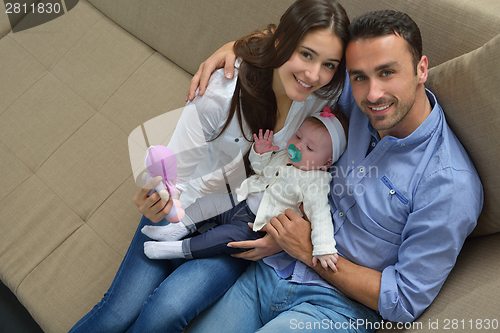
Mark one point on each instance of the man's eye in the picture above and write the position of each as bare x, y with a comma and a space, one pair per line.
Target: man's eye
386, 73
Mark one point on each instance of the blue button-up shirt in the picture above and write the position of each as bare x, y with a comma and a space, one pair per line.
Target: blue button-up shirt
400, 206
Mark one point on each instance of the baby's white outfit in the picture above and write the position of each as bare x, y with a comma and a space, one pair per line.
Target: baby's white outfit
285, 186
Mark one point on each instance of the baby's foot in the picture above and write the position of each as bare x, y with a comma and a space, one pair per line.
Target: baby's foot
163, 250
167, 233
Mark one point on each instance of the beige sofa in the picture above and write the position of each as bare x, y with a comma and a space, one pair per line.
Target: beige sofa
74, 88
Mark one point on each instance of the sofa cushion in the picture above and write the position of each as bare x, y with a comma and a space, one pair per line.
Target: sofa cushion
469, 85
34, 126
20, 70
59, 35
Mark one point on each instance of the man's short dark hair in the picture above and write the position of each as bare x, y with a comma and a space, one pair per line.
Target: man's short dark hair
386, 22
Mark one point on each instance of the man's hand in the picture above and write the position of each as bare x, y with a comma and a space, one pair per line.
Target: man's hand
152, 207
293, 234
260, 248
223, 57
263, 143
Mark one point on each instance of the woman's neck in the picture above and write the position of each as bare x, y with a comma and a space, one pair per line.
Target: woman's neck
283, 102
284, 105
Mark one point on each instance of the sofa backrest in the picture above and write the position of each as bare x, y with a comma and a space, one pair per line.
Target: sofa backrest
449, 28
163, 25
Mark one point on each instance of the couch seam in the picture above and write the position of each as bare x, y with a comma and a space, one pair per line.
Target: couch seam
123, 83
72, 45
97, 208
36, 81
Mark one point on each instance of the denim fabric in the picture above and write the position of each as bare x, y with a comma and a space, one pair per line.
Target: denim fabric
232, 226
159, 295
261, 301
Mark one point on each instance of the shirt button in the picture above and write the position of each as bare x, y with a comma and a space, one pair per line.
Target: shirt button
362, 169
392, 191
403, 144
236, 140
267, 186
277, 173
374, 144
341, 214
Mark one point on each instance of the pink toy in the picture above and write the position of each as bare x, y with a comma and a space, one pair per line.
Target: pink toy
161, 161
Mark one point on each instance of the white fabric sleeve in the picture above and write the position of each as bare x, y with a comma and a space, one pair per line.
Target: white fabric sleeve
201, 121
317, 209
259, 161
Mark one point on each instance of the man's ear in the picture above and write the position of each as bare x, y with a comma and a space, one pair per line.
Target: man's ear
422, 70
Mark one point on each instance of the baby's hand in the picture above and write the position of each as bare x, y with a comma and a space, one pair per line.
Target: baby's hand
264, 143
327, 260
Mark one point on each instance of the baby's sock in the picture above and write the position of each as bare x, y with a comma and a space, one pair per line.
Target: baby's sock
163, 250
168, 233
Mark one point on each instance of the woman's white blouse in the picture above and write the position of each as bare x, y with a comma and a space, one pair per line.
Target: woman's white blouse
201, 161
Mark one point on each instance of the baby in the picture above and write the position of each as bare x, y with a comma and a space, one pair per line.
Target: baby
283, 179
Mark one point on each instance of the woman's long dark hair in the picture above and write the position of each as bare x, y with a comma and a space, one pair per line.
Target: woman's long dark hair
262, 52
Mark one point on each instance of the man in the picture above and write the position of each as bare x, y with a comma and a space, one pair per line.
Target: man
404, 197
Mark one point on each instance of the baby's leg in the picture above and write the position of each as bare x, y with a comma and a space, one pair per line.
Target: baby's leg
164, 250
167, 233
209, 244
214, 241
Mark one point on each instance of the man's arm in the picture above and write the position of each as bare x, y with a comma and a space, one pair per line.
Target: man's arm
293, 234
223, 57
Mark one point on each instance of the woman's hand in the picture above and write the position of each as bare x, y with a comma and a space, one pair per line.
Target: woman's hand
260, 248
223, 57
152, 207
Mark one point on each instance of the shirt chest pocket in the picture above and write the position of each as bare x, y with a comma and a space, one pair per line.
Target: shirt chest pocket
394, 192
392, 205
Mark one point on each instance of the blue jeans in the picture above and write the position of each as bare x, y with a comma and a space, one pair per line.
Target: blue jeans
159, 295
262, 301
232, 226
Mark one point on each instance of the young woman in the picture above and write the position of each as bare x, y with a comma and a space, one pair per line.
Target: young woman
284, 75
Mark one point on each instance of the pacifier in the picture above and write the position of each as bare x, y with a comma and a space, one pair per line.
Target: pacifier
294, 153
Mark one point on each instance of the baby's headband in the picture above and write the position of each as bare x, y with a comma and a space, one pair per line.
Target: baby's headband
336, 130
